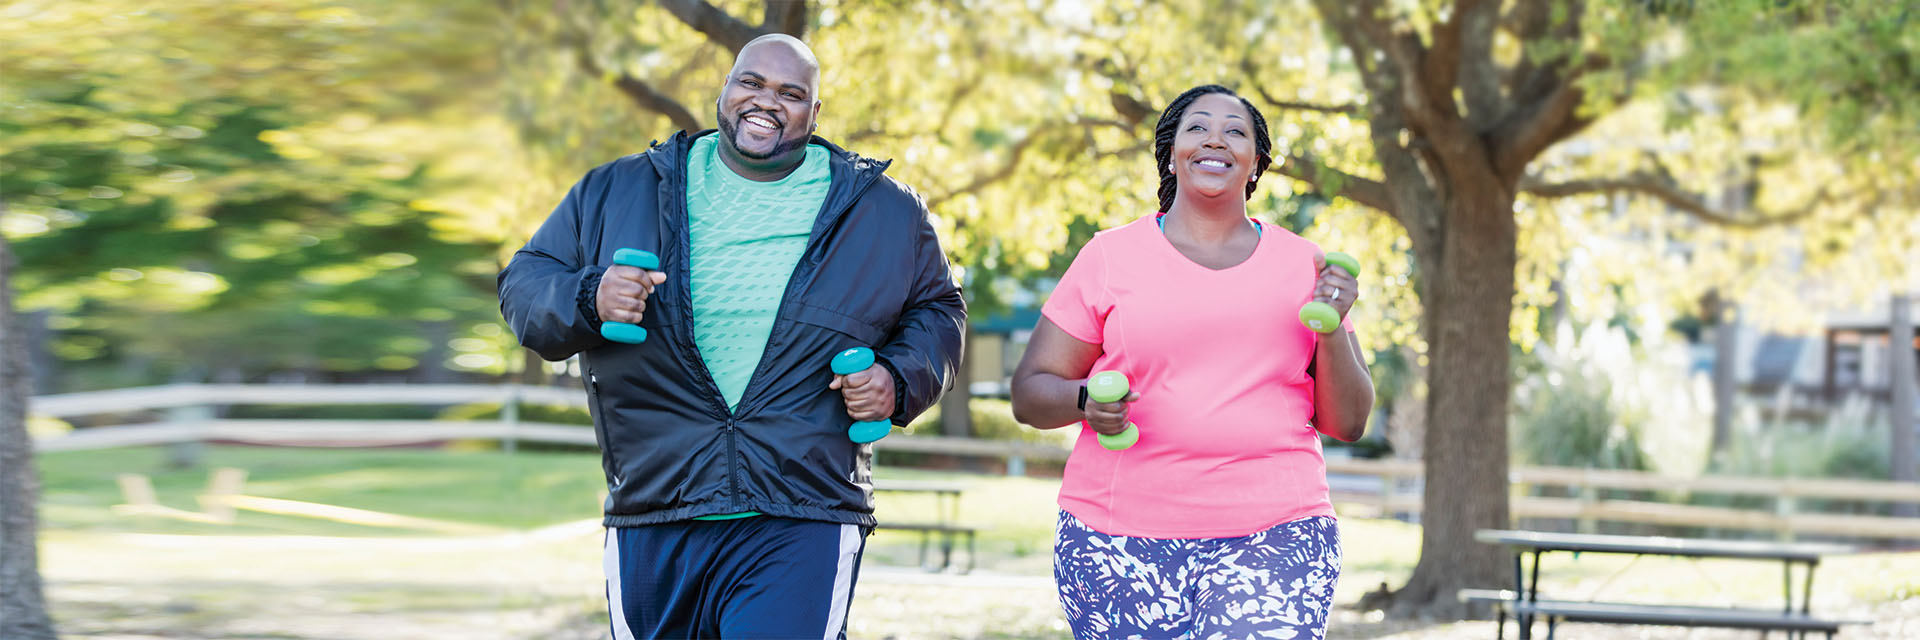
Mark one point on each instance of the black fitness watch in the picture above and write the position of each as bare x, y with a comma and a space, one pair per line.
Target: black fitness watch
1083, 398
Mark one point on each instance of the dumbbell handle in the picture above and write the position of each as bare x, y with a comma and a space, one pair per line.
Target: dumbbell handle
850, 362
621, 331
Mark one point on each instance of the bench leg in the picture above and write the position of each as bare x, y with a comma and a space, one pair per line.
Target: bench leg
973, 557
1499, 623
924, 535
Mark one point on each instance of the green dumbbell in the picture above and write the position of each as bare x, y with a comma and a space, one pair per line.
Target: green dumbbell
622, 331
850, 362
1320, 316
1111, 386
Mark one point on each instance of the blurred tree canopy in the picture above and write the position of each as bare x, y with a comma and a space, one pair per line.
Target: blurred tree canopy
245, 187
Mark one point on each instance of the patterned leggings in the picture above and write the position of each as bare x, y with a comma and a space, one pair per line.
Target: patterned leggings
1276, 583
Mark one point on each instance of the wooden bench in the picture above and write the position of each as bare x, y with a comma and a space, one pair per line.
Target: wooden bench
947, 533
946, 524
1795, 615
1507, 603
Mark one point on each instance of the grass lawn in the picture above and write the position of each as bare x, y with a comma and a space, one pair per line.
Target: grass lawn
284, 576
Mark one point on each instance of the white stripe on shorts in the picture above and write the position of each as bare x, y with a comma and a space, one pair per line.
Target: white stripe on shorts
610, 563
850, 542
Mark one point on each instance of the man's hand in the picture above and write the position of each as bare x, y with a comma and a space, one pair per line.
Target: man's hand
622, 296
1110, 418
869, 393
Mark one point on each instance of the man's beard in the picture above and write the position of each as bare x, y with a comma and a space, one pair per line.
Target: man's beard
731, 131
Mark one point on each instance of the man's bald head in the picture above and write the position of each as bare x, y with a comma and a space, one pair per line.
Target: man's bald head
779, 44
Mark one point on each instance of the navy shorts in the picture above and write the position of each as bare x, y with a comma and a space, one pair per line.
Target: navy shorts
1276, 583
759, 577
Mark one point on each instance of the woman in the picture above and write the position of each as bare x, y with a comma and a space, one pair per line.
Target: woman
1217, 522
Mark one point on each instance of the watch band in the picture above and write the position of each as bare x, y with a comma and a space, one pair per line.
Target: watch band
1082, 403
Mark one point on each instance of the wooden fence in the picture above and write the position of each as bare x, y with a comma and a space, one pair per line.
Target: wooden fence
182, 416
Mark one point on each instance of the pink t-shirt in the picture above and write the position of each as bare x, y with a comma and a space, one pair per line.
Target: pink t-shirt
1219, 359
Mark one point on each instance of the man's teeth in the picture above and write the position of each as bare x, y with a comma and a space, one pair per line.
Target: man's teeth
762, 121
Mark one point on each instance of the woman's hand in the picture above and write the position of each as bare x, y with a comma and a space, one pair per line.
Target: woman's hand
1109, 418
1334, 285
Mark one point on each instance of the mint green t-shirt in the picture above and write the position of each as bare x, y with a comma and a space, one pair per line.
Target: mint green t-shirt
746, 238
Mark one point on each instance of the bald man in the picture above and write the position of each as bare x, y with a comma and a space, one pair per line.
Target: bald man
737, 505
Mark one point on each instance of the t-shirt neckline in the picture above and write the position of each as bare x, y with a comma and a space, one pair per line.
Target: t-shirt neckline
1161, 239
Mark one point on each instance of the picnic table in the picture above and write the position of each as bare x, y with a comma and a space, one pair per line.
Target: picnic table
1525, 605
946, 523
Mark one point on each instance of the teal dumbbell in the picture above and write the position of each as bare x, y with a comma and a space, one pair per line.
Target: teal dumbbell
850, 362
1111, 386
1320, 316
621, 331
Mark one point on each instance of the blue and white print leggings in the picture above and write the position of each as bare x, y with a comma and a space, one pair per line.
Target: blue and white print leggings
1276, 583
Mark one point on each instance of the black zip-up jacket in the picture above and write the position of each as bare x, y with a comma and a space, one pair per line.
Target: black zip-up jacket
873, 275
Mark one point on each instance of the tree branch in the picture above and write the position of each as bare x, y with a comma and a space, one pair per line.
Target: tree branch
642, 94
1479, 77
1410, 195
1341, 16
982, 181
1665, 190
1427, 107
1369, 192
719, 27
1289, 105
785, 16
1247, 67
1535, 126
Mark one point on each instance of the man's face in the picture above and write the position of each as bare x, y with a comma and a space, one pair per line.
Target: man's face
768, 106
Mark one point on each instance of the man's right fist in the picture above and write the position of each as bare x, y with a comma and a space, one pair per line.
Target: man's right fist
622, 296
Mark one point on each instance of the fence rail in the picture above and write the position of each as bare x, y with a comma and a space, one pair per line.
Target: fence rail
190, 420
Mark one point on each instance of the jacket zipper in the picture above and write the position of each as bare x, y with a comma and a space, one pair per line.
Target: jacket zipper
733, 468
865, 177
600, 424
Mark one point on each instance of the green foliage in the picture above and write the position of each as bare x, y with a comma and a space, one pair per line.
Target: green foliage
1849, 443
250, 201
1566, 422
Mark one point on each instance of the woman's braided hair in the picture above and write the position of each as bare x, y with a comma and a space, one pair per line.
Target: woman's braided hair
1169, 125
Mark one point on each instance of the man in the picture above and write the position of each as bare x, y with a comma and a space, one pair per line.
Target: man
737, 506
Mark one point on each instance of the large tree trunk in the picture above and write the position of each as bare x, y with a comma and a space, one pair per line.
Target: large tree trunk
23, 606
1469, 305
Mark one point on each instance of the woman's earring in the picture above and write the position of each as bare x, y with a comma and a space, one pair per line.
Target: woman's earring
1169, 167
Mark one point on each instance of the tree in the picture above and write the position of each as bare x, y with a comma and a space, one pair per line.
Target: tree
23, 605
1461, 99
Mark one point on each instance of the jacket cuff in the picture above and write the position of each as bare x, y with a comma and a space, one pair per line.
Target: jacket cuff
899, 392
587, 298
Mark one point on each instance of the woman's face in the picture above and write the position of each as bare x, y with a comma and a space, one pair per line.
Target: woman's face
1213, 150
